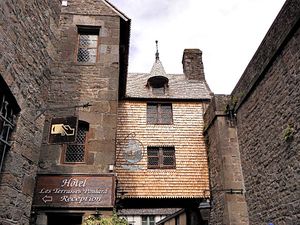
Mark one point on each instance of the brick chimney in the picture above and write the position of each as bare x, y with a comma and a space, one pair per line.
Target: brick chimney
192, 64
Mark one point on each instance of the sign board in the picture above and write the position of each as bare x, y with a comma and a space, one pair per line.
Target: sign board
63, 130
74, 191
133, 153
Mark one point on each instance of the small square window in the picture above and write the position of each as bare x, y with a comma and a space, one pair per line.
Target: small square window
148, 220
75, 152
88, 38
161, 157
159, 113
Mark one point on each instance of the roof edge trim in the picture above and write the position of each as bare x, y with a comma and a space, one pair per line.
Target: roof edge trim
116, 10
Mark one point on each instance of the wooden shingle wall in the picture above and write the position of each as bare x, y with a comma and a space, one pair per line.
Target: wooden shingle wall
189, 179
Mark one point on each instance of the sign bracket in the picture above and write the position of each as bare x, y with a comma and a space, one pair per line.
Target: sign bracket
42, 111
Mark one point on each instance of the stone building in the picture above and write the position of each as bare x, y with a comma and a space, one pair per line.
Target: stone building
61, 64
161, 154
79, 175
25, 73
253, 134
78, 135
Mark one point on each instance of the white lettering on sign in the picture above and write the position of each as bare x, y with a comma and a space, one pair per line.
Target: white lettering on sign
44, 191
64, 191
66, 198
93, 191
72, 182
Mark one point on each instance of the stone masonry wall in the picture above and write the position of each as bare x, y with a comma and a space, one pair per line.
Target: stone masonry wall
268, 129
268, 118
76, 84
224, 165
28, 36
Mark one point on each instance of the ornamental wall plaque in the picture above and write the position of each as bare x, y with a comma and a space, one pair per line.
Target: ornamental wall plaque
132, 152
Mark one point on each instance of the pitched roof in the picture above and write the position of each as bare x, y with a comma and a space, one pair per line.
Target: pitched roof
116, 10
179, 87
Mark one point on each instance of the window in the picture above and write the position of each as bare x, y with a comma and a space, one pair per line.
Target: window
158, 91
8, 110
158, 84
75, 152
148, 220
161, 157
87, 44
159, 113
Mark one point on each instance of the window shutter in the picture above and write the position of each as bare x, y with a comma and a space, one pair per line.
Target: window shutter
166, 113
153, 157
152, 113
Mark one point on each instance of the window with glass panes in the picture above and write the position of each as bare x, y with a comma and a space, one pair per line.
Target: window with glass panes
148, 220
87, 44
161, 157
159, 113
75, 152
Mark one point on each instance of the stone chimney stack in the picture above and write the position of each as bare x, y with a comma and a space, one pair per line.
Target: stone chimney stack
192, 64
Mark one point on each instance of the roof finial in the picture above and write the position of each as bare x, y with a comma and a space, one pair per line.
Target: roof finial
157, 53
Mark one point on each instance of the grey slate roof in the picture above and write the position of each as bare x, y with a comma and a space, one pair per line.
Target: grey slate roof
179, 87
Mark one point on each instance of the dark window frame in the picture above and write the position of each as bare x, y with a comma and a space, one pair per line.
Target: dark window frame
9, 110
87, 30
148, 220
157, 156
82, 127
158, 115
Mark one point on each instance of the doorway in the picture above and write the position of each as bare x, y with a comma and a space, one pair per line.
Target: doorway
64, 219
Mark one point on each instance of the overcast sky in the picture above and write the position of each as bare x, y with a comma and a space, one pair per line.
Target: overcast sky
227, 31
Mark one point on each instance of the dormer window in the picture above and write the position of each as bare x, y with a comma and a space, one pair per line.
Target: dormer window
158, 84
158, 91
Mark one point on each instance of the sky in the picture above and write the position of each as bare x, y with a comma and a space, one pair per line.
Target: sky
228, 32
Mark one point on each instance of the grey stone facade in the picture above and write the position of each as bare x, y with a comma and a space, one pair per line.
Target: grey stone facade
268, 116
76, 84
265, 104
226, 179
28, 34
38, 42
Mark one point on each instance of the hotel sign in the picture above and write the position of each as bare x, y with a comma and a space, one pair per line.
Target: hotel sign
74, 191
63, 130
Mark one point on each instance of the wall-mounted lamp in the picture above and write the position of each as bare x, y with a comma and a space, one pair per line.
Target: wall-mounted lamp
204, 208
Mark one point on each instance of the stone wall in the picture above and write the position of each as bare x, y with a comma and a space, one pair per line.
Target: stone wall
268, 123
77, 83
28, 36
226, 179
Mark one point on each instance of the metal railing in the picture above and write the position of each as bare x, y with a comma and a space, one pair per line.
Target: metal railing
6, 126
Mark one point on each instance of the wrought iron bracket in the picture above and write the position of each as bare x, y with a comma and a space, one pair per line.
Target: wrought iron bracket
42, 111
